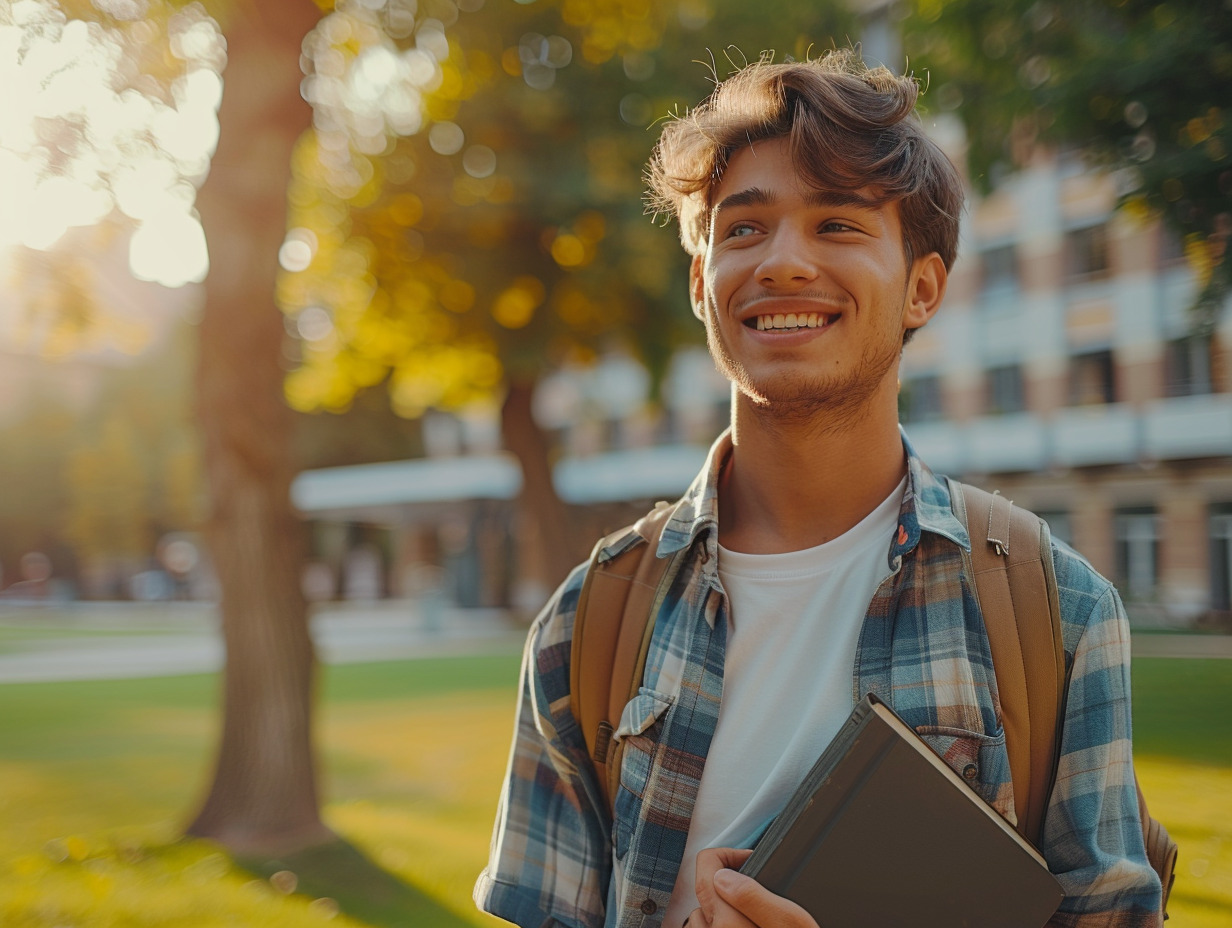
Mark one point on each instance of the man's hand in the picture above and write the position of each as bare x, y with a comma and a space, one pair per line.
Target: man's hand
728, 899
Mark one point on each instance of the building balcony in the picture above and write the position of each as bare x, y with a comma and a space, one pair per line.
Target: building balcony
1085, 436
1002, 444
1188, 427
942, 445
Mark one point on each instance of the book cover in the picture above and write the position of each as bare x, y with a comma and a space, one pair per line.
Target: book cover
882, 833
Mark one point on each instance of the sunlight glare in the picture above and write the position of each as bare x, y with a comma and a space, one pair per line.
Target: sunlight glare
81, 135
169, 248
141, 188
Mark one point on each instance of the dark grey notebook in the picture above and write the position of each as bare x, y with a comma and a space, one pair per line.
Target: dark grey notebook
883, 834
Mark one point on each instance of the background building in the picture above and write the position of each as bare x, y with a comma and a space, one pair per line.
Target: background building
1066, 371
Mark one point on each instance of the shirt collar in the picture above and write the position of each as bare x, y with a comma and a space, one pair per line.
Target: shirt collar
926, 505
925, 508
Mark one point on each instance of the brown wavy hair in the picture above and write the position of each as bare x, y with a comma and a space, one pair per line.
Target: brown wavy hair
849, 127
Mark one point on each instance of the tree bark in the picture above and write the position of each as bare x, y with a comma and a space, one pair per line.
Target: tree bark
548, 539
263, 799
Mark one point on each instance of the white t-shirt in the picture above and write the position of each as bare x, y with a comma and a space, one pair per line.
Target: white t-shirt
793, 627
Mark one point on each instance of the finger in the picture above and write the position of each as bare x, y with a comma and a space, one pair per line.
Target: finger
758, 904
708, 863
724, 917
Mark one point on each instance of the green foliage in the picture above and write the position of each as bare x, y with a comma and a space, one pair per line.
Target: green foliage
508, 232
1144, 88
33, 447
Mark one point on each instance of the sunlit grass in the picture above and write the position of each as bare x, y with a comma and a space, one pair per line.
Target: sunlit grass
96, 779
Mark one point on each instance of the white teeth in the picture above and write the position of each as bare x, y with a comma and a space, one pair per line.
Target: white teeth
792, 321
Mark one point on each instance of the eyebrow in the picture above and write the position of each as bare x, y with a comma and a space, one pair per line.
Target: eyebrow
759, 196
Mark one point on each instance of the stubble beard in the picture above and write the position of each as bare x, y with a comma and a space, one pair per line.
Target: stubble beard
831, 403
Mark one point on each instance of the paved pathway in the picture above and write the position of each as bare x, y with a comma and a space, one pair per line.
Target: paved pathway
192, 644
111, 641
1165, 645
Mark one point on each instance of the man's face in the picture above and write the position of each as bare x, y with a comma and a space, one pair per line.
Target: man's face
805, 294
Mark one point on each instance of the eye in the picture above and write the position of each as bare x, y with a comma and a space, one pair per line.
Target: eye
835, 225
741, 229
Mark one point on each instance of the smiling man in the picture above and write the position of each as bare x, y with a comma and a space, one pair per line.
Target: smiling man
819, 558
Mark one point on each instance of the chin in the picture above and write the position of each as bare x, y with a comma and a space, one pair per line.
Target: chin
807, 399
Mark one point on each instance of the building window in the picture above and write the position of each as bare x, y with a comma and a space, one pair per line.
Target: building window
1086, 252
919, 400
1005, 390
999, 271
1187, 366
1091, 379
1221, 556
1058, 524
1137, 551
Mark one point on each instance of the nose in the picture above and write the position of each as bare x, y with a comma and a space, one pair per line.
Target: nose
790, 258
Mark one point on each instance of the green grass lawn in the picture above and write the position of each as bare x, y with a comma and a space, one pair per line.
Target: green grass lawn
97, 778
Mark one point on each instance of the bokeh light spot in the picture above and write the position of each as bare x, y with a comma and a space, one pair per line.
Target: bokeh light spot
314, 324
568, 251
516, 305
446, 138
295, 254
479, 161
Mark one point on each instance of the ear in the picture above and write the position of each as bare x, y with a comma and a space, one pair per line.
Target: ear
925, 290
697, 286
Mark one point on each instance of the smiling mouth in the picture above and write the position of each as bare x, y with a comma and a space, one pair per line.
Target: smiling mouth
789, 321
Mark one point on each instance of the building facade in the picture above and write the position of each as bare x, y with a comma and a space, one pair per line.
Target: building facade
1066, 370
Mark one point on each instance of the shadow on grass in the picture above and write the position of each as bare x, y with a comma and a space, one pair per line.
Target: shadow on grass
362, 888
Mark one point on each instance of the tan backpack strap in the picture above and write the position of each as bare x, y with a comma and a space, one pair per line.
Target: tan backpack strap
1161, 850
1011, 564
611, 637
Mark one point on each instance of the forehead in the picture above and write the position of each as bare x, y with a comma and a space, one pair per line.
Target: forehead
765, 173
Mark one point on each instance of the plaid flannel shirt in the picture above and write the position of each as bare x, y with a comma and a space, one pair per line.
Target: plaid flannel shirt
556, 859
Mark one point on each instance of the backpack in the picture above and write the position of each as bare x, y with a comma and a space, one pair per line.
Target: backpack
621, 595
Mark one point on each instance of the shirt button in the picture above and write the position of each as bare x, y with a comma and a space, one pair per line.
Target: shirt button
970, 771
649, 907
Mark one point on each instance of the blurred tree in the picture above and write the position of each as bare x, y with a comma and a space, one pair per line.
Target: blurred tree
110, 494
1145, 88
33, 449
368, 431
134, 472
120, 100
468, 212
263, 797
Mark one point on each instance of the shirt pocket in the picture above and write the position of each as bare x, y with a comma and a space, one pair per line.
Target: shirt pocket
981, 760
641, 723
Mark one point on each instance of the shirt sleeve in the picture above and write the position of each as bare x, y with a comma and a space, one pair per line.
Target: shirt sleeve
550, 858
1092, 831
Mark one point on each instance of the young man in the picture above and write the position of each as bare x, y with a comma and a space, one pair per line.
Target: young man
823, 560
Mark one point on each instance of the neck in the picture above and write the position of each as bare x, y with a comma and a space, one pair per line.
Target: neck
793, 484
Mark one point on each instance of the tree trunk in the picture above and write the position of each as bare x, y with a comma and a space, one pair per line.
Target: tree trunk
548, 548
263, 799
